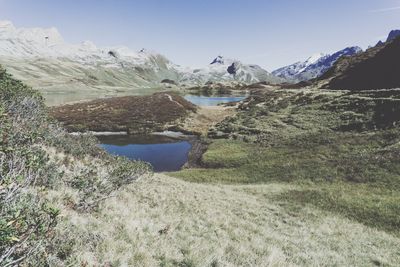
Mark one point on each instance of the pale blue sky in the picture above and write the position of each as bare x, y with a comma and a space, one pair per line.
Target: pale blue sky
271, 33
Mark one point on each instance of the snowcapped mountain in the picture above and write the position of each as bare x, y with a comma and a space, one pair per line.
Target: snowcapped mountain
291, 71
223, 69
31, 43
314, 66
42, 59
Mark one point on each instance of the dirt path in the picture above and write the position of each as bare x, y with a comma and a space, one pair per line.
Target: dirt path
206, 117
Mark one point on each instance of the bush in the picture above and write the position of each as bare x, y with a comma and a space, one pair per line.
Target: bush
30, 142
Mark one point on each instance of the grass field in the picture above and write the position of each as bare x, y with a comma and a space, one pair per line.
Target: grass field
349, 173
163, 221
298, 178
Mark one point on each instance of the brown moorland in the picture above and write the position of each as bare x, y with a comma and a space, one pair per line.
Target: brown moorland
133, 114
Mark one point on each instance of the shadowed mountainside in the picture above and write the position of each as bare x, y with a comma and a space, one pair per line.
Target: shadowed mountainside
376, 68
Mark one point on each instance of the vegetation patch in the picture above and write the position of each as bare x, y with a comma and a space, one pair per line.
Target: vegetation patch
227, 154
45, 175
340, 150
371, 205
133, 114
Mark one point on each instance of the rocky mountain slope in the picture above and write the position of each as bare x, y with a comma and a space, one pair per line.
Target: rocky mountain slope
41, 58
223, 69
314, 66
393, 35
376, 68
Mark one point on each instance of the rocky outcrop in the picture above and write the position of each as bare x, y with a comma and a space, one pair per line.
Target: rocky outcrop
393, 35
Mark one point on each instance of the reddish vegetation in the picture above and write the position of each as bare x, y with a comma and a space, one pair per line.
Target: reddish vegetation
134, 114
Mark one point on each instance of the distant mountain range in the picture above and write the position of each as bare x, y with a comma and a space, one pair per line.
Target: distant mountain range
42, 59
224, 69
314, 66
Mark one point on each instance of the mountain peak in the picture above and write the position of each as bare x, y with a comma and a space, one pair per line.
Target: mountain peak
355, 49
6, 25
348, 51
48, 36
314, 66
393, 35
218, 60
376, 68
48, 43
89, 45
314, 58
380, 43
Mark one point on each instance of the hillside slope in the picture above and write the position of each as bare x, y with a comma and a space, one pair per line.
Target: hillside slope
44, 174
41, 58
169, 222
334, 145
376, 68
279, 202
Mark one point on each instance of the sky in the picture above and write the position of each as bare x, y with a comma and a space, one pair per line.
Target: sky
270, 33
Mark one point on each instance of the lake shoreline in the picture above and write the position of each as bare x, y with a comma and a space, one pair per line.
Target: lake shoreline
186, 123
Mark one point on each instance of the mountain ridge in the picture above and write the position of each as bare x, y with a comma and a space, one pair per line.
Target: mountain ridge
393, 35
314, 66
222, 69
376, 68
42, 59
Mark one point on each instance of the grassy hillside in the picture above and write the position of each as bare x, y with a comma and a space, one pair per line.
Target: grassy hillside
45, 174
295, 178
340, 151
52, 75
162, 221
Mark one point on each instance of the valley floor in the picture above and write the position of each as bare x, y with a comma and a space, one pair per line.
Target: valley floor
302, 178
163, 221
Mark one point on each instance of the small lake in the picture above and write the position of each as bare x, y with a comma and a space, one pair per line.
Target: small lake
212, 100
163, 153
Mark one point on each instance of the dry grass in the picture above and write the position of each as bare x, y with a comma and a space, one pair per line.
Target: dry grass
207, 117
162, 221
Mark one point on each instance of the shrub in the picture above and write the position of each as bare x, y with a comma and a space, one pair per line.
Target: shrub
29, 169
